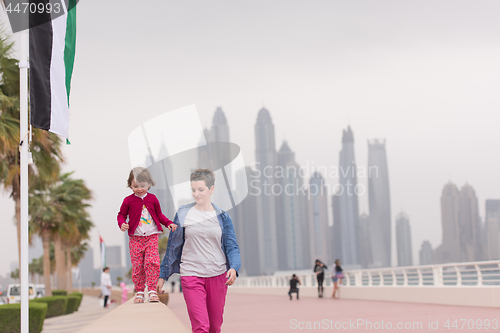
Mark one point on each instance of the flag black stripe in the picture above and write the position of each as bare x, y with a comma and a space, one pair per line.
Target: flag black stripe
40, 58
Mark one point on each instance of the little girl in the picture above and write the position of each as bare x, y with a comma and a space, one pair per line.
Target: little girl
144, 224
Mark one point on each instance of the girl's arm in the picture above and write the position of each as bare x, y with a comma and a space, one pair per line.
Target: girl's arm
163, 219
123, 213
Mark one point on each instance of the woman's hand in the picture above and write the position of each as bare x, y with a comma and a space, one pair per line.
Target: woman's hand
124, 227
231, 275
159, 285
172, 227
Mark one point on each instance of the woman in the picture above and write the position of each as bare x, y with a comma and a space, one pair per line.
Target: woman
337, 276
205, 253
319, 269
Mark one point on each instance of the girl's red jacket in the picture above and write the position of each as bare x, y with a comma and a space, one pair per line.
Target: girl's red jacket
132, 207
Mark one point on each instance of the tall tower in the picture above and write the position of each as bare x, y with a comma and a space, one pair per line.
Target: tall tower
318, 218
470, 225
265, 156
449, 250
365, 247
492, 225
336, 246
380, 203
244, 220
403, 239
348, 201
426, 253
221, 157
288, 214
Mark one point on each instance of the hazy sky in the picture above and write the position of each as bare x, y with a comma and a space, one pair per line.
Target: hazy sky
424, 75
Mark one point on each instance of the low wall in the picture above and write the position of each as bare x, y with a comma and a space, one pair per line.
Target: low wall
466, 296
130, 317
116, 295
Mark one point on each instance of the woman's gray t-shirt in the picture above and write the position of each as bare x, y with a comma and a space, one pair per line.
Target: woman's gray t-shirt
202, 253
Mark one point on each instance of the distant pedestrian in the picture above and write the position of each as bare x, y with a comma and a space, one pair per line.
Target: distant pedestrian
105, 285
337, 276
294, 281
124, 292
173, 285
319, 269
143, 226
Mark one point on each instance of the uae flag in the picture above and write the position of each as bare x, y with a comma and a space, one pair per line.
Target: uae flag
52, 45
103, 252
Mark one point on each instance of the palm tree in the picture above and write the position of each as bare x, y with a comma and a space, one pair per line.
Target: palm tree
58, 213
71, 196
45, 147
15, 274
44, 221
36, 268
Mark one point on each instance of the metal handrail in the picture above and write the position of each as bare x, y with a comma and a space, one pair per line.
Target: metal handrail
466, 274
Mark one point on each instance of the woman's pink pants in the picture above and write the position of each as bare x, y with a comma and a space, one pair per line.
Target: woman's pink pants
205, 299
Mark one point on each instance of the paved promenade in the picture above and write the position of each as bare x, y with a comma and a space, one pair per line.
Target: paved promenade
89, 311
258, 313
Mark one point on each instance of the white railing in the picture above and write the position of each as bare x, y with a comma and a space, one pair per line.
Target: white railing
478, 274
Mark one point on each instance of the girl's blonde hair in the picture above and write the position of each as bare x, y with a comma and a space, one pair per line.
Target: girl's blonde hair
140, 174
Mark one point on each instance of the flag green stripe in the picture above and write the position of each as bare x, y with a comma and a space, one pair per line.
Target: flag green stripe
70, 44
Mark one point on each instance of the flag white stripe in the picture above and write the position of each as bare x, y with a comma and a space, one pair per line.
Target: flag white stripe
59, 119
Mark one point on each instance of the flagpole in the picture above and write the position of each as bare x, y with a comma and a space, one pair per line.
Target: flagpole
24, 143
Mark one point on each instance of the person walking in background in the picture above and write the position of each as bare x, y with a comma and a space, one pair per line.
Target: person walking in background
105, 285
294, 281
337, 276
173, 285
124, 292
144, 224
319, 269
204, 251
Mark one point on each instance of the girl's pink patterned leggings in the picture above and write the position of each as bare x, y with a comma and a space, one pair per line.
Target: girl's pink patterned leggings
145, 261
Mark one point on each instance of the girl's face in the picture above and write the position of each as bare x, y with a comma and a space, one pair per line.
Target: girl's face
201, 193
139, 188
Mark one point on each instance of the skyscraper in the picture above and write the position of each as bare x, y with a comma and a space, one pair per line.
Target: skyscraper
245, 224
449, 250
403, 239
380, 203
336, 246
426, 253
288, 214
87, 268
318, 218
365, 247
470, 225
348, 201
462, 234
265, 156
114, 262
218, 157
492, 226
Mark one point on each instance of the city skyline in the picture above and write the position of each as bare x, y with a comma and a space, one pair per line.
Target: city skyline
424, 76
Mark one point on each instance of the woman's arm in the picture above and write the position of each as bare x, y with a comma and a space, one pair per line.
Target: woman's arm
164, 264
232, 248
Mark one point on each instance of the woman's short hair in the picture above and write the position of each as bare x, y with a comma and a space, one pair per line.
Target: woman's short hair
140, 174
206, 175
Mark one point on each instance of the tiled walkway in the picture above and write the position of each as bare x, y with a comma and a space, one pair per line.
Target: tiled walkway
89, 310
256, 313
